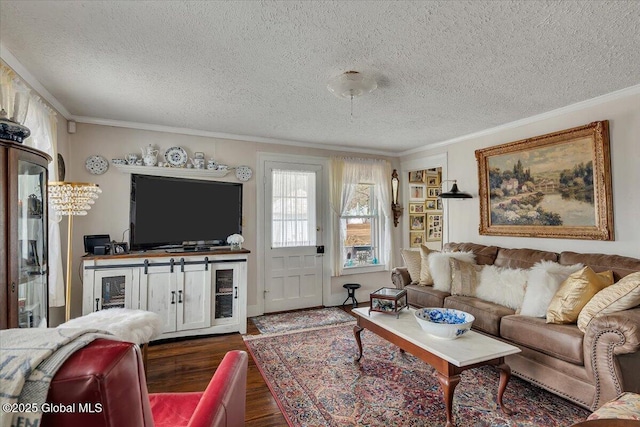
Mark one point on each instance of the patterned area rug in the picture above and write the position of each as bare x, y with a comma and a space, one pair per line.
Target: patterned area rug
275, 323
313, 376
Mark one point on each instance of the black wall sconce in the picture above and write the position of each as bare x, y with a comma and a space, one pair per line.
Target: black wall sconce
395, 207
454, 193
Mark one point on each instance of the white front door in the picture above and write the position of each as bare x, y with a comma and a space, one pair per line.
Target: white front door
293, 233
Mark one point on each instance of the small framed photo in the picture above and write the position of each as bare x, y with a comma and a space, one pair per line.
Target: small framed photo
430, 205
433, 192
416, 176
416, 208
416, 238
439, 204
433, 180
417, 192
416, 222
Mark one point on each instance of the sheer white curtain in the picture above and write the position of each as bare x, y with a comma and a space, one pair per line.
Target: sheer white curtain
346, 174
42, 122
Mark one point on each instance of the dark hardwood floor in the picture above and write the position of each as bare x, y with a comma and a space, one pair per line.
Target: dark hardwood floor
188, 365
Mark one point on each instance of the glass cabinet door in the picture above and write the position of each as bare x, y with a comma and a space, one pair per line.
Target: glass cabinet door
226, 292
32, 246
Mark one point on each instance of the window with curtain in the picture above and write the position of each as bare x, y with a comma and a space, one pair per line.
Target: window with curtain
360, 220
293, 208
361, 214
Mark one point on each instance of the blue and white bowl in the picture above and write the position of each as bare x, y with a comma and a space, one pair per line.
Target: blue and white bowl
445, 323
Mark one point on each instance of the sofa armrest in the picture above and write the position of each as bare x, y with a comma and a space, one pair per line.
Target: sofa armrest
606, 337
226, 393
400, 277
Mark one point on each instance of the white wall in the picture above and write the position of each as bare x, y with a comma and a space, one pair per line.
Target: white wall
623, 113
110, 214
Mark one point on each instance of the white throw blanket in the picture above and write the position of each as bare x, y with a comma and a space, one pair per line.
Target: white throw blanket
136, 326
29, 358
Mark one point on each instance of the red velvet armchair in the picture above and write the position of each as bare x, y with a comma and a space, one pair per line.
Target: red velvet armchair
103, 385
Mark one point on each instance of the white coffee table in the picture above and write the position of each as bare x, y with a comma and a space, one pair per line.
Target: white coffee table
448, 357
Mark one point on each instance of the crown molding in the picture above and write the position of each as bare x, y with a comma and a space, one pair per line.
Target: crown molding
221, 135
612, 96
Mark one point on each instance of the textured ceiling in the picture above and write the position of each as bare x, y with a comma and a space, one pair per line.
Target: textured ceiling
260, 69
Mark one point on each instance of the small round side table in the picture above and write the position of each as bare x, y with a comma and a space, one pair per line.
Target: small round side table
351, 293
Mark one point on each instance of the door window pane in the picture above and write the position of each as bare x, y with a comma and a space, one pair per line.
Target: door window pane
293, 208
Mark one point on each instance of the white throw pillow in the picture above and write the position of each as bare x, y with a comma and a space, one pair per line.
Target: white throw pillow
440, 269
545, 278
504, 286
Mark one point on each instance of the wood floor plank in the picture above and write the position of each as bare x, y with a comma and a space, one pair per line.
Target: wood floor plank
188, 365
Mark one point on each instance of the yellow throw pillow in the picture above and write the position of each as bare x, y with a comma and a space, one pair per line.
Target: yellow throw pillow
412, 262
575, 293
620, 296
464, 277
425, 272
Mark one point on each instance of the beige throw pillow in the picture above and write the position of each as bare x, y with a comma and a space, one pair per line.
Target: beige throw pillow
440, 269
620, 296
412, 262
575, 293
464, 277
425, 271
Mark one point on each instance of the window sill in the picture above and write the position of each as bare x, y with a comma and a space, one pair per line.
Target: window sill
359, 269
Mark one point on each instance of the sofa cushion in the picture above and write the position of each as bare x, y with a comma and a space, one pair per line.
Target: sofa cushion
485, 255
440, 269
425, 271
487, 314
522, 258
561, 341
620, 296
620, 265
412, 262
504, 286
425, 296
465, 277
545, 278
575, 293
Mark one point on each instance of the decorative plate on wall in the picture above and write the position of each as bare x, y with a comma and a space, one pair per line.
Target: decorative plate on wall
243, 173
96, 164
176, 156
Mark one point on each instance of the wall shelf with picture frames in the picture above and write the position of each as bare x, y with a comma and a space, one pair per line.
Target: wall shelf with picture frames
425, 208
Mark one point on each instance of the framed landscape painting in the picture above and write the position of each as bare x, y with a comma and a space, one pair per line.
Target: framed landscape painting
556, 185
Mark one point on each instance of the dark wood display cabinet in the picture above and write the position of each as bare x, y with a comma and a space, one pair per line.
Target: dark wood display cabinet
24, 280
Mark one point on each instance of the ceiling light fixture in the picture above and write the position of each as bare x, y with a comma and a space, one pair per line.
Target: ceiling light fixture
351, 84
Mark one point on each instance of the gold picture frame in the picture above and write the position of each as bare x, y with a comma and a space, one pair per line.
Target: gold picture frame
433, 180
416, 208
416, 176
434, 227
416, 222
416, 238
556, 186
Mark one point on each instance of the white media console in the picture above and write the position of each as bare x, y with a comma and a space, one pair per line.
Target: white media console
195, 293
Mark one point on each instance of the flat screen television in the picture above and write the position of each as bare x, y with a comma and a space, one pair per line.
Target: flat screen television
172, 212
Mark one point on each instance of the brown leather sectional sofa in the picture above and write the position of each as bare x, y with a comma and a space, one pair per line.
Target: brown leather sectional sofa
587, 368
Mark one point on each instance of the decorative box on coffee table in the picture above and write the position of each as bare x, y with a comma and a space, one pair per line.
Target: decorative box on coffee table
388, 300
